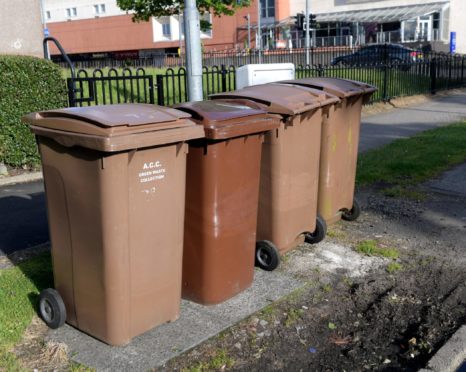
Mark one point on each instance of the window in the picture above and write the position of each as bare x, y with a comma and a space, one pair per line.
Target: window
181, 20
166, 31
207, 17
99, 8
267, 8
48, 15
71, 12
436, 21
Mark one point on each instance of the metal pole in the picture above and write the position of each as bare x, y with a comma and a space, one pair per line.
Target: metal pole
308, 27
193, 52
180, 34
259, 31
249, 31
44, 28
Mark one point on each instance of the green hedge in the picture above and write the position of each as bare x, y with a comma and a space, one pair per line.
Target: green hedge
27, 84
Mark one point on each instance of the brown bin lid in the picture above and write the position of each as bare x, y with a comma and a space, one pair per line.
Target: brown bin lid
342, 88
109, 127
281, 98
226, 119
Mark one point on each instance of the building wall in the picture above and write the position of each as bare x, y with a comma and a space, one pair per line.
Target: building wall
458, 24
282, 9
84, 9
16, 37
326, 6
119, 33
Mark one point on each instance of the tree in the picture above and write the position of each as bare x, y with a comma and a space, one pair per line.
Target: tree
144, 9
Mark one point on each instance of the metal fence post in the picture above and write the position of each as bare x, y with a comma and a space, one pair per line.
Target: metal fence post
71, 92
151, 89
320, 70
450, 60
462, 71
223, 74
433, 76
160, 95
385, 74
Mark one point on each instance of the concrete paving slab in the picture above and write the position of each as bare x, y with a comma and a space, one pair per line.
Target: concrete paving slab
196, 324
22, 178
452, 181
333, 258
451, 356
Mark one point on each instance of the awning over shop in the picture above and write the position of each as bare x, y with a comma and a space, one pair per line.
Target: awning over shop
382, 15
287, 22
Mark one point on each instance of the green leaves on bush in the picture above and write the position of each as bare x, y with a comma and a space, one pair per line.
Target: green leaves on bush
27, 84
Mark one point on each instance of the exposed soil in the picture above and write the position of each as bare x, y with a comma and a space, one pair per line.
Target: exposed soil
382, 321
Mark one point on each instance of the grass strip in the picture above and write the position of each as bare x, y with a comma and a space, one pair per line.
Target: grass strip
19, 294
372, 248
408, 161
400, 83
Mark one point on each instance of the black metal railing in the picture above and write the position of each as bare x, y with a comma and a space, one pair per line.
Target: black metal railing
317, 55
172, 86
396, 74
103, 87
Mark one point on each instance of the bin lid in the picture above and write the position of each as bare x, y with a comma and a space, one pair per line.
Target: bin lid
223, 119
282, 98
341, 88
113, 127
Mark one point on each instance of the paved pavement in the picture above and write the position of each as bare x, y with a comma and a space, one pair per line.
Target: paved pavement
452, 181
23, 218
23, 221
378, 130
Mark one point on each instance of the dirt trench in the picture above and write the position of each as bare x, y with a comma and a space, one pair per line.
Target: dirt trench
387, 320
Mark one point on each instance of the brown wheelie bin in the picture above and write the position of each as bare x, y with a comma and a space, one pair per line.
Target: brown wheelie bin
115, 184
289, 168
222, 191
339, 148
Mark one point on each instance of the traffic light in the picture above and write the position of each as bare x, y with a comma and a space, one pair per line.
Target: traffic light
299, 21
312, 20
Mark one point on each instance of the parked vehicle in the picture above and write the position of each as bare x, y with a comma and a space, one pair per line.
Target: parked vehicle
380, 53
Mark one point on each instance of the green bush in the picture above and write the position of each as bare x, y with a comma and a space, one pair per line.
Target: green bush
27, 84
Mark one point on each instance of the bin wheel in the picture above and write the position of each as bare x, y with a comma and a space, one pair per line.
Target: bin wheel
353, 214
267, 255
319, 233
52, 308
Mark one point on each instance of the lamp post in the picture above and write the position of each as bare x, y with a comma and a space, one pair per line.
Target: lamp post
248, 18
193, 50
308, 27
259, 31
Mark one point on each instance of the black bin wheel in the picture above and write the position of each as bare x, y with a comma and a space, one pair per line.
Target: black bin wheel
319, 233
51, 308
267, 255
353, 214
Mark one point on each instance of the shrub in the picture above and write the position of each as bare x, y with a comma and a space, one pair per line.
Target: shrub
27, 84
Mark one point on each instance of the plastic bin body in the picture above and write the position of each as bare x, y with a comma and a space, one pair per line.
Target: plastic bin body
340, 140
221, 200
115, 216
289, 182
290, 161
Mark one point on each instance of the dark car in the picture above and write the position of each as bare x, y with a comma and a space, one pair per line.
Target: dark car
380, 53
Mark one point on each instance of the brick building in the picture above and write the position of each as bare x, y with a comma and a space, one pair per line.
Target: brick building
98, 28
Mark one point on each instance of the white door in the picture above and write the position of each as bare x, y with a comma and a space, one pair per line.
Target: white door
425, 28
